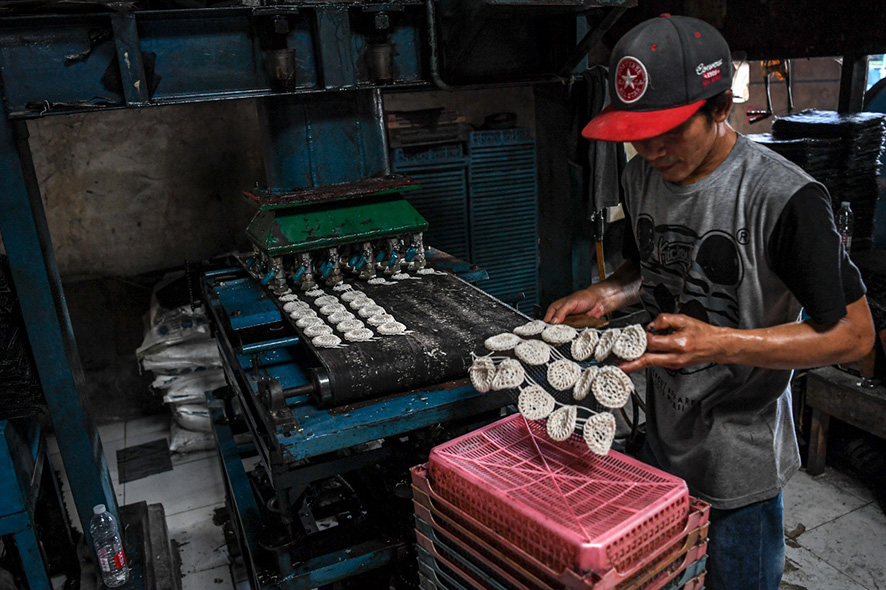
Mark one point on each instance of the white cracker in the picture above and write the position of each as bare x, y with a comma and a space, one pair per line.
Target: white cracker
559, 334
533, 328
503, 341
533, 352
508, 375
604, 346
583, 385
599, 432
535, 403
361, 302
302, 312
482, 373
291, 306
583, 347
631, 344
561, 423
331, 308
562, 374
612, 387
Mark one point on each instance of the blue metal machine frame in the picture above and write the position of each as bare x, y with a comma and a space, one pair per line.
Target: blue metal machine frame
317, 433
24, 463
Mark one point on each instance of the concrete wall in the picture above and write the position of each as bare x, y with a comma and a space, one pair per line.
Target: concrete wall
132, 191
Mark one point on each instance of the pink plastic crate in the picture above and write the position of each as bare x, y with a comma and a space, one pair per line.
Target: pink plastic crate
558, 501
446, 518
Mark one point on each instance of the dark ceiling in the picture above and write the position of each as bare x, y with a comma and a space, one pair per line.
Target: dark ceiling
772, 29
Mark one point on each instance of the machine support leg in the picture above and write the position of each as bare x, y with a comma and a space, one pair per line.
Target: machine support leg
38, 285
32, 559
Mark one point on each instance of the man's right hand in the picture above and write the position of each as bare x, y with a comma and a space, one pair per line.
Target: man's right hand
587, 301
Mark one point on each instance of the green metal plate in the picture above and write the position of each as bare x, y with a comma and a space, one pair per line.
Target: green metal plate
287, 231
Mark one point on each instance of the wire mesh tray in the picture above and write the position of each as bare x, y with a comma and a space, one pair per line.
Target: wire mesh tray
574, 509
446, 517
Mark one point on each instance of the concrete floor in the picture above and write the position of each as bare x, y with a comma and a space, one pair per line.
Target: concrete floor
836, 531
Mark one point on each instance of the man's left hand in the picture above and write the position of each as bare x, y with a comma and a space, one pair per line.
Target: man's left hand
675, 341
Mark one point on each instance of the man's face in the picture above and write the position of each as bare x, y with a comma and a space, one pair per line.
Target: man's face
682, 155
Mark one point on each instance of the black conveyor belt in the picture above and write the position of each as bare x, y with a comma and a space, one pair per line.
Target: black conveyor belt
448, 319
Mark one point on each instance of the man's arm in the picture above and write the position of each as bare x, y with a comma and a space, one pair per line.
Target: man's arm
621, 288
787, 346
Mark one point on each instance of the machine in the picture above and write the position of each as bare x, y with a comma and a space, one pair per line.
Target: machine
330, 427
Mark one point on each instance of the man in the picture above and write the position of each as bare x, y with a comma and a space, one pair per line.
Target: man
726, 242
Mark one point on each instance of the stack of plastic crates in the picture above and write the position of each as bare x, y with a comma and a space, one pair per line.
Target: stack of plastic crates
507, 508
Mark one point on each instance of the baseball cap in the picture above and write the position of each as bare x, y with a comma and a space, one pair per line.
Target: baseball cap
661, 72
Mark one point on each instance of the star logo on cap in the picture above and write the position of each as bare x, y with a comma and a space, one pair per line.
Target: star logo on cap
631, 79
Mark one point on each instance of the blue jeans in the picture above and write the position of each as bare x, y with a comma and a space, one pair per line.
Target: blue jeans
745, 545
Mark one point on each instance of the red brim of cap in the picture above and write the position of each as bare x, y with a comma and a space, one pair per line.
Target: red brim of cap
613, 125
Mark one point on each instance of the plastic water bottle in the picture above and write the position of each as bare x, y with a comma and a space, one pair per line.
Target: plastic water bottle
844, 225
108, 547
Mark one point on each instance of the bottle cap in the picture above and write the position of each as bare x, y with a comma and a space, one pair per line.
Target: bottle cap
844, 204
99, 509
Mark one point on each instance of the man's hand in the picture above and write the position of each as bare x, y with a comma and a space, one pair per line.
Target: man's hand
621, 288
680, 341
587, 301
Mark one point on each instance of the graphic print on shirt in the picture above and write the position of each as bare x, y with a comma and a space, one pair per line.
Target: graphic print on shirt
689, 274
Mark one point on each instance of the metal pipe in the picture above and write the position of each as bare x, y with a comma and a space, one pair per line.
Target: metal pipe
432, 40
379, 111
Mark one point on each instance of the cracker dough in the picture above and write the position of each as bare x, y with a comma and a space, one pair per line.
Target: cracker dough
379, 319
359, 335
326, 341
348, 325
391, 328
318, 330
341, 316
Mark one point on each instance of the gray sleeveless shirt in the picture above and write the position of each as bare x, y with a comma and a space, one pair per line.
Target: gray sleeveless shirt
726, 429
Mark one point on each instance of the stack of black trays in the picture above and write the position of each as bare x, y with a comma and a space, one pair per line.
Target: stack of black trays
842, 151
